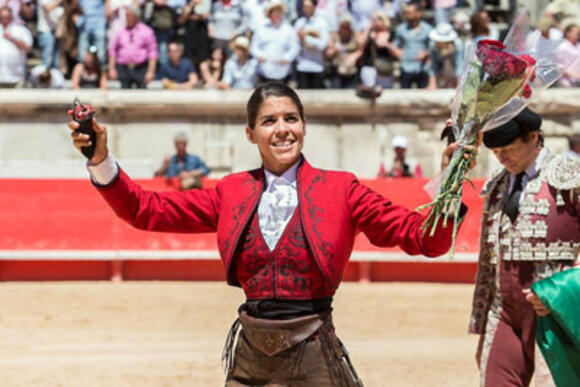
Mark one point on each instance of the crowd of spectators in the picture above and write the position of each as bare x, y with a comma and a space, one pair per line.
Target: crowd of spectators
185, 44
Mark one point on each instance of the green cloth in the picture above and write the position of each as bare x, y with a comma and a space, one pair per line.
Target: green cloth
558, 334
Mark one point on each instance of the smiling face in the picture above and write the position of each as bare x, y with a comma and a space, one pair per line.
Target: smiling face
519, 154
279, 133
275, 16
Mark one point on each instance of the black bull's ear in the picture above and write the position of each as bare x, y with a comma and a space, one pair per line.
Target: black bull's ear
448, 133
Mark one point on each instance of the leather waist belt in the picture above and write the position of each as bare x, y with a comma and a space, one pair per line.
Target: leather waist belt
274, 336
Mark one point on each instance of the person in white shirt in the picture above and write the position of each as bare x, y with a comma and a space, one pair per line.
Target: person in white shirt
15, 42
362, 12
240, 69
42, 77
49, 13
275, 45
331, 11
255, 13
313, 34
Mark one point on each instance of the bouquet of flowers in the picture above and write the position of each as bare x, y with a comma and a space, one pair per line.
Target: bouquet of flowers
498, 81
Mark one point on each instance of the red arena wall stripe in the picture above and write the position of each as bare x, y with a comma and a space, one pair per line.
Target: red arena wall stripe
68, 214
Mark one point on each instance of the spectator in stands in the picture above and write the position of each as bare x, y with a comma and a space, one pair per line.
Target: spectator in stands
21, 10
67, 34
412, 41
42, 77
331, 11
481, 27
446, 57
28, 13
569, 48
115, 12
460, 20
443, 10
196, 42
562, 13
189, 168
379, 50
211, 70
179, 73
93, 29
133, 53
343, 52
255, 11
15, 42
401, 167
161, 16
226, 22
49, 14
313, 35
240, 69
89, 74
362, 12
275, 45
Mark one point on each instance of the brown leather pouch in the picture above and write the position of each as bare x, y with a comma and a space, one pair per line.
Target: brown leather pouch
274, 336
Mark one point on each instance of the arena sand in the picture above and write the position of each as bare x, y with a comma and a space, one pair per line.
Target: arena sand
172, 333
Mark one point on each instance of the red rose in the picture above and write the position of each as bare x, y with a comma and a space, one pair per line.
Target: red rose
530, 64
527, 93
489, 43
498, 63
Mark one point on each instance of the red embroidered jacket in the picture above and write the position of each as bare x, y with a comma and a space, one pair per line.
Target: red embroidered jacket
333, 207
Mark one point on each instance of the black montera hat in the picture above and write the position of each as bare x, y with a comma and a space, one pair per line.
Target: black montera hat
526, 121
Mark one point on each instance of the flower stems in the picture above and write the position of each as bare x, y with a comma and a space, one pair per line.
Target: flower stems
447, 203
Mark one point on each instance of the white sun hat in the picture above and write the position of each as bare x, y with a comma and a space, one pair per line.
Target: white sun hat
443, 33
400, 142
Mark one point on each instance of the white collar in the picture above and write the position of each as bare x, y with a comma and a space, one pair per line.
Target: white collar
288, 177
533, 169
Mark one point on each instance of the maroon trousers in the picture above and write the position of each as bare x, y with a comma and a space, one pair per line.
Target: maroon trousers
510, 361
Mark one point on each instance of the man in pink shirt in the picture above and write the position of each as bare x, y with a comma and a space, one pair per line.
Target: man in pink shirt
133, 53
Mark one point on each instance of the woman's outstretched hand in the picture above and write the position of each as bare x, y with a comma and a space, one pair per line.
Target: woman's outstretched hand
81, 140
469, 150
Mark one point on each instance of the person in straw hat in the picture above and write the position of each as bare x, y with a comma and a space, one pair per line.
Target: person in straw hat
275, 45
240, 69
446, 57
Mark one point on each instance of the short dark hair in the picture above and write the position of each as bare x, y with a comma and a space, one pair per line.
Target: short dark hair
415, 4
45, 77
270, 89
526, 137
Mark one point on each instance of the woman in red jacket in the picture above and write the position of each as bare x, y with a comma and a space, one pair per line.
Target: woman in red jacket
285, 232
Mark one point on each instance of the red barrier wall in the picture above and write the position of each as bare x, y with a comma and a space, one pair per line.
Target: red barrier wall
64, 215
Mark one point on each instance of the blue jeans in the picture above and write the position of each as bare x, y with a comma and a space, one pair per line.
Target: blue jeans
48, 45
164, 37
98, 37
132, 75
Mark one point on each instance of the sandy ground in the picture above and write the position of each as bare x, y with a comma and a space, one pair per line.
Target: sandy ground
171, 333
